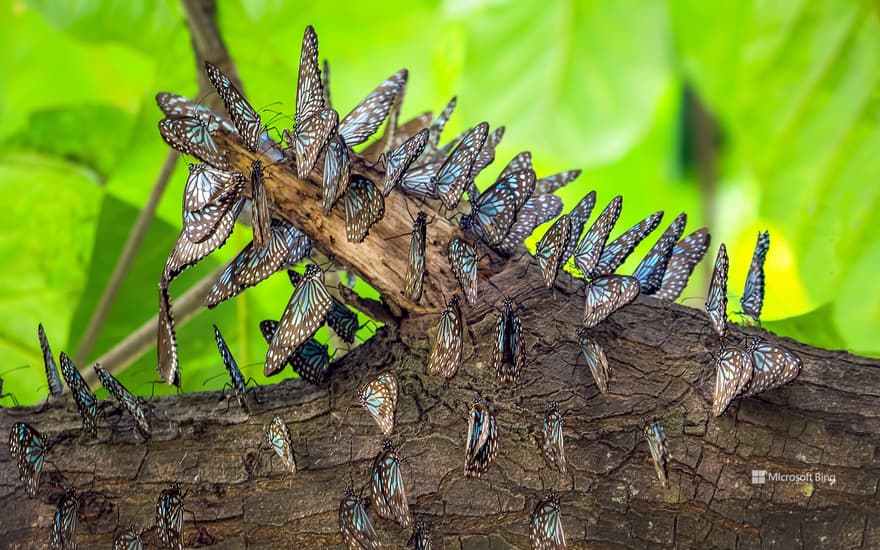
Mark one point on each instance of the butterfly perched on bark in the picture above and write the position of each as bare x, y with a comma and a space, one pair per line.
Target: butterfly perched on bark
63, 530
303, 316
508, 354
463, 261
187, 253
261, 217
52, 377
342, 320
421, 537
617, 251
685, 256
337, 173
310, 361
192, 136
169, 517
445, 357
128, 401
363, 121
594, 353
494, 212
651, 269
244, 117
278, 436
355, 524
656, 436
398, 161
545, 527
364, 206
387, 488
379, 397
733, 370
588, 251
752, 299
419, 182
130, 539
539, 209
236, 378
207, 196
772, 366
553, 440
168, 363
415, 267
27, 447
86, 402
482, 439
456, 172
579, 216
550, 250
607, 294
716, 301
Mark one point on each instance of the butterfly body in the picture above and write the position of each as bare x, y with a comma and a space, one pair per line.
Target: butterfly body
86, 402
166, 340
482, 439
421, 537
716, 301
545, 528
508, 355
445, 357
128, 401
387, 487
553, 441
596, 359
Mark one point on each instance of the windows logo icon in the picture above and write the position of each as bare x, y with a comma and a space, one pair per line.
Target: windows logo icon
759, 477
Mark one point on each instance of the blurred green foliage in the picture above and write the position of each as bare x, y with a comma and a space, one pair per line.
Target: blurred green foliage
793, 87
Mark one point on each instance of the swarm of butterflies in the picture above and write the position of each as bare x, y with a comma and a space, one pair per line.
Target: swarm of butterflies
499, 218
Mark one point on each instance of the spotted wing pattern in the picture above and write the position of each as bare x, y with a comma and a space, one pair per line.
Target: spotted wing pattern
187, 253
337, 173
617, 251
445, 355
125, 398
607, 294
419, 181
415, 268
355, 524
539, 209
656, 436
553, 441
86, 402
494, 212
367, 116
52, 377
191, 136
169, 517
421, 537
387, 488
236, 378
733, 369
594, 354
553, 182
463, 261
579, 216
310, 361
545, 528
653, 266
456, 172
753, 294
364, 206
772, 366
508, 355
482, 439
27, 448
278, 436
685, 256
716, 301
379, 397
63, 530
399, 160
166, 341
587, 253
244, 117
551, 248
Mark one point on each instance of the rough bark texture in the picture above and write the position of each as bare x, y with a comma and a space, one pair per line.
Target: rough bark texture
825, 422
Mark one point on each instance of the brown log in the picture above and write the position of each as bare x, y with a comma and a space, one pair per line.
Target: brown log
826, 422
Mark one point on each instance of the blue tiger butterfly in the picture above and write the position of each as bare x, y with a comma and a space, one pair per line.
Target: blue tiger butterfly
421, 537
310, 361
52, 377
716, 301
367, 116
463, 261
27, 447
337, 173
243, 116
772, 366
364, 206
445, 357
482, 439
545, 528
128, 401
455, 173
130, 539
617, 251
387, 489
187, 253
191, 136
579, 216
355, 524
315, 120
169, 517
166, 341
607, 294
342, 320
549, 184
752, 299
550, 250
278, 436
508, 353
379, 397
236, 378
587, 253
419, 181
398, 161
653, 266
63, 530
685, 256
553, 441
207, 196
656, 436
494, 212
733, 370
86, 402
539, 209
596, 359
415, 267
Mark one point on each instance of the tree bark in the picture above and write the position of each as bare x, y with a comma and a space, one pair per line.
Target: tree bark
825, 422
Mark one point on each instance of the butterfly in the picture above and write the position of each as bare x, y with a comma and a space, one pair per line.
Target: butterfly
337, 173
549, 184
261, 220
587, 253
733, 369
192, 136
342, 320
177, 106
420, 182
207, 195
607, 294
545, 528
551, 248
415, 268
169, 517
128, 401
685, 256
367, 116
494, 212
431, 153
86, 402
27, 447
539, 209
278, 436
128, 540
379, 397
399, 160
508, 355
325, 79
243, 116
310, 361
355, 524
579, 216
52, 377
364, 206
487, 153
287, 246
63, 530
386, 487
653, 266
617, 251
237, 381
772, 366
187, 253
421, 537
553, 443
304, 314
456, 172
463, 261
753, 294
166, 340
596, 359
482, 439
656, 437
445, 355
716, 301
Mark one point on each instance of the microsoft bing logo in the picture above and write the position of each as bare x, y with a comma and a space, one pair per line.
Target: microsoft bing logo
759, 477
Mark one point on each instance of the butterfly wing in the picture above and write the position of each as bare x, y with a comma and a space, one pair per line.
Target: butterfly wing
685, 256
243, 116
463, 261
594, 353
337, 173
27, 447
86, 402
455, 173
63, 530
355, 524
400, 159
589, 250
235, 377
191, 136
421, 537
379, 397
309, 86
656, 437
653, 266
553, 443
52, 377
445, 357
545, 530
309, 138
522, 161
485, 442
343, 321
550, 249
432, 148
199, 225
128, 401
617, 251
539, 209
415, 268
606, 295
753, 294
772, 366
364, 206
716, 301
205, 185
387, 488
733, 370
579, 216
549, 184
278, 436
166, 340
187, 253
485, 156
169, 518
495, 211
128, 540
367, 116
